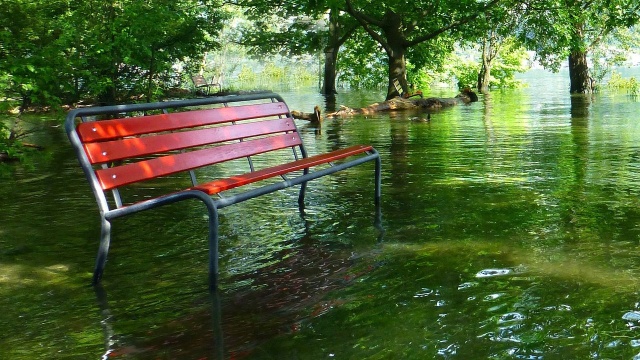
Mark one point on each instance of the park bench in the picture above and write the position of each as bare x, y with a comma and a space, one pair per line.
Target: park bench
120, 146
204, 85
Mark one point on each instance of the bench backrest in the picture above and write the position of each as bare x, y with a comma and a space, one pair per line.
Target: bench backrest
127, 150
199, 80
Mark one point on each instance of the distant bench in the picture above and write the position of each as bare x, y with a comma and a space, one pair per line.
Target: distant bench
200, 82
178, 137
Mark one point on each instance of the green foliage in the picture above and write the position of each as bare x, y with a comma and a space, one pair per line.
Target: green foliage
284, 28
247, 74
271, 71
360, 65
555, 29
466, 71
62, 51
613, 52
510, 61
631, 85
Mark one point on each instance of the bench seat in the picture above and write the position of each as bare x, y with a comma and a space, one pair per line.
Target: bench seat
217, 186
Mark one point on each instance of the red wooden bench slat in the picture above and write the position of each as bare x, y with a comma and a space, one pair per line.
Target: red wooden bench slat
220, 185
114, 177
102, 152
118, 128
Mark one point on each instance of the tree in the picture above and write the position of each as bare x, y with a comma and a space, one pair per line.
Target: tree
294, 28
30, 59
498, 36
400, 26
340, 30
558, 30
130, 46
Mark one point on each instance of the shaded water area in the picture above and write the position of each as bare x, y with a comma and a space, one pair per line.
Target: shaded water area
512, 231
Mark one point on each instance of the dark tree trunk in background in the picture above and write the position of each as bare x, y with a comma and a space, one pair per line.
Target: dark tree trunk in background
330, 60
579, 77
331, 55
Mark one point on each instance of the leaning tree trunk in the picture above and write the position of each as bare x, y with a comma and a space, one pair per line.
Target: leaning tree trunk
579, 73
484, 76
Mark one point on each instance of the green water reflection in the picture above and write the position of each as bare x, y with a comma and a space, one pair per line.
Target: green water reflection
511, 232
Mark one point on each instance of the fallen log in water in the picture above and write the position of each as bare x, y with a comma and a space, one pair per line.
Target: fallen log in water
314, 117
398, 103
465, 97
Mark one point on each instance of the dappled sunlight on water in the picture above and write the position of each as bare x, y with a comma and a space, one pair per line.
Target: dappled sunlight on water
511, 225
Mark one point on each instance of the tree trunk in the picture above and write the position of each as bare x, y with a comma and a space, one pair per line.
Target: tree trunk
484, 76
331, 55
330, 60
579, 73
397, 70
396, 50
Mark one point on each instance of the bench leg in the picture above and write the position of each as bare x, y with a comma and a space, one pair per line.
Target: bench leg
303, 190
377, 221
103, 250
378, 180
213, 247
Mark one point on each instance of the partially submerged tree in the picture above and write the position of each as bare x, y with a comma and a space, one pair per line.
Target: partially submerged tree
400, 26
498, 37
561, 30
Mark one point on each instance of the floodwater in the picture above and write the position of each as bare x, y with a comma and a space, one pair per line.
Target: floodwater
512, 231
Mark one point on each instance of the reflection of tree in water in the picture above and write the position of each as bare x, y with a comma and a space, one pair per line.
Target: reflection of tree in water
574, 192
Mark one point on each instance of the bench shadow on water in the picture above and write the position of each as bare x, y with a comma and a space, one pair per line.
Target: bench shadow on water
511, 232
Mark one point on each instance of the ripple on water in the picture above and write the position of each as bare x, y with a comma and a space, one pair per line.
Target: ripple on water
511, 317
424, 292
517, 353
467, 285
493, 272
492, 297
631, 316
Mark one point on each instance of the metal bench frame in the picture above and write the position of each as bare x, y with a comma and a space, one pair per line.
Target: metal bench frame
94, 169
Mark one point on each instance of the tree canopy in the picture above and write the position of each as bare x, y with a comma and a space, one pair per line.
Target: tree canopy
61, 51
560, 30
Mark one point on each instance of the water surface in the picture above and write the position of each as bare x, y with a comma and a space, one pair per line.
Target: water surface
511, 232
